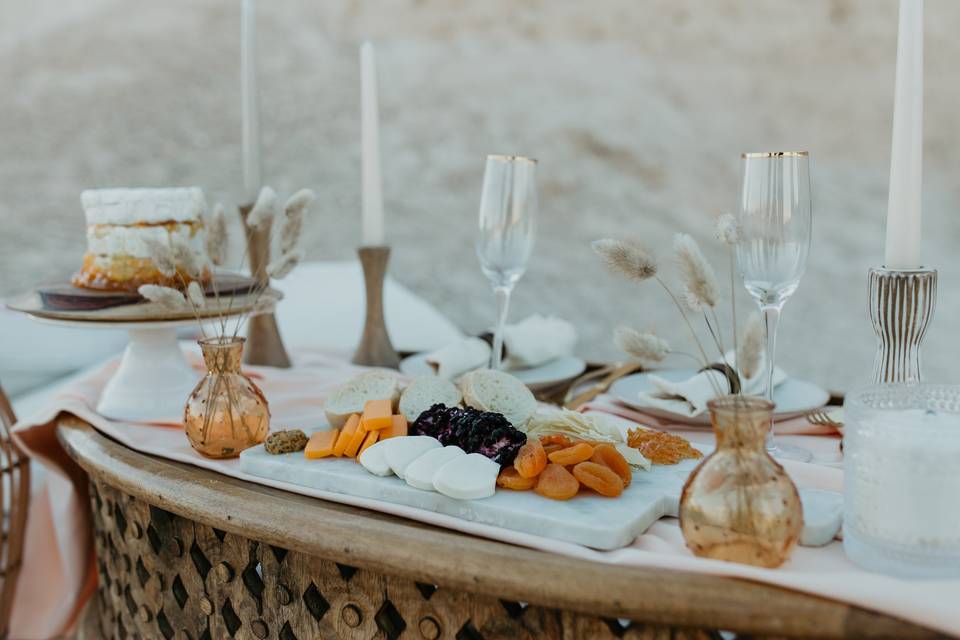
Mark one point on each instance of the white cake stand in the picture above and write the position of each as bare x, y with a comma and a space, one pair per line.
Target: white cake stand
154, 380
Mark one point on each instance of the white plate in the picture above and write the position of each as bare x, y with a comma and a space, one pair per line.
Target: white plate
793, 397
550, 373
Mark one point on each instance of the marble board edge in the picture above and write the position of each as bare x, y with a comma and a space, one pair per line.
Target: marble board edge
296, 470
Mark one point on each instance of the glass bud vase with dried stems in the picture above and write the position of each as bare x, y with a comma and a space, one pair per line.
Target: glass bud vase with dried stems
739, 504
227, 412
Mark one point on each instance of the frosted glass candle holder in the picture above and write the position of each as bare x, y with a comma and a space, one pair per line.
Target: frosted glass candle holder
902, 479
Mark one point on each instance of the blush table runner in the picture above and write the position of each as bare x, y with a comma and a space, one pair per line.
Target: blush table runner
59, 572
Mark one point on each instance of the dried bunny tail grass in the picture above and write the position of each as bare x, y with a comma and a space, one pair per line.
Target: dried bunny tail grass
266, 302
645, 347
282, 266
691, 301
168, 298
217, 236
187, 259
728, 229
299, 202
627, 258
261, 215
751, 347
293, 213
697, 273
196, 295
290, 231
162, 256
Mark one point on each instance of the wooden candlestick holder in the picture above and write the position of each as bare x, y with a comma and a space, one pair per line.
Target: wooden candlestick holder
264, 345
375, 349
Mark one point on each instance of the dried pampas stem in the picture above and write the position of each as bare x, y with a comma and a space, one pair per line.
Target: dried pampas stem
293, 213
217, 236
645, 347
697, 273
283, 265
261, 215
751, 347
167, 297
728, 232
638, 264
626, 258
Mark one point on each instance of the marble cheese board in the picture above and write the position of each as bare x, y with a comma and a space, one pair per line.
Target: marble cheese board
588, 519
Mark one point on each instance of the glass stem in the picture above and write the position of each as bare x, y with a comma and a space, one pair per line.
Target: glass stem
502, 294
771, 322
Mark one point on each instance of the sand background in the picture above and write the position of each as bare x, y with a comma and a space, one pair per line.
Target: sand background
637, 109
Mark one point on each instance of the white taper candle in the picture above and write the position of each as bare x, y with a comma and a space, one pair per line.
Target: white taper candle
250, 106
370, 150
906, 154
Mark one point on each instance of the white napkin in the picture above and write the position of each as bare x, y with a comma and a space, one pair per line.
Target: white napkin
538, 340
459, 357
757, 383
689, 397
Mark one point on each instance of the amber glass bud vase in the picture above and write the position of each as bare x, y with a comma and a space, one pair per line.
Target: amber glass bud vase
226, 413
739, 504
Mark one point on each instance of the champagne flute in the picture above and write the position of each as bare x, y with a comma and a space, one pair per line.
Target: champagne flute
508, 211
775, 227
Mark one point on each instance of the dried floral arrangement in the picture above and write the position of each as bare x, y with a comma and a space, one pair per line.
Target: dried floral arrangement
191, 296
699, 297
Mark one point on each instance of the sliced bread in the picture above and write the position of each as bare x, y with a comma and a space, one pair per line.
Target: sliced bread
426, 391
499, 392
352, 396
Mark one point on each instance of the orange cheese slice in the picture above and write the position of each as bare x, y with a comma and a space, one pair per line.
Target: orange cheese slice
321, 444
377, 414
398, 427
343, 441
356, 440
368, 440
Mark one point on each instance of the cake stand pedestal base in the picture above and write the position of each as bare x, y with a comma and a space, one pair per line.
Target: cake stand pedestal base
153, 381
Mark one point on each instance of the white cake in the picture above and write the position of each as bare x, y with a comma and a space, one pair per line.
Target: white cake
121, 223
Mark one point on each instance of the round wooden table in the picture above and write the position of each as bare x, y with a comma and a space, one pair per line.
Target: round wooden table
187, 553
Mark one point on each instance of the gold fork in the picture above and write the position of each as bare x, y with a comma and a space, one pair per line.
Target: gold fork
823, 419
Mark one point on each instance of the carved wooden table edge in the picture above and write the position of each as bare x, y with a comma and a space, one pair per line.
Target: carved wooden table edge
186, 552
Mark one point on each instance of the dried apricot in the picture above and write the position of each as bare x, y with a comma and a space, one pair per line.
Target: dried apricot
510, 478
600, 478
556, 438
608, 456
531, 459
557, 483
572, 455
661, 448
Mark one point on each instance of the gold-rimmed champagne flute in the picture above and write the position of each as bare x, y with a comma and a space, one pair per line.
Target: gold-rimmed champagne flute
776, 222
508, 212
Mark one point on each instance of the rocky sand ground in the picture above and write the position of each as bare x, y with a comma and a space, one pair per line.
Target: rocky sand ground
637, 110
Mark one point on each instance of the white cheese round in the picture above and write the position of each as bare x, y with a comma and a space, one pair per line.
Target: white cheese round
470, 477
421, 471
400, 452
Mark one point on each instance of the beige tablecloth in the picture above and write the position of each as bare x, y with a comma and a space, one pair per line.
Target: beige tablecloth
59, 572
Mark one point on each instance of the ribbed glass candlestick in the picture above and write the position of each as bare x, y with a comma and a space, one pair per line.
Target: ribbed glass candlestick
901, 305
